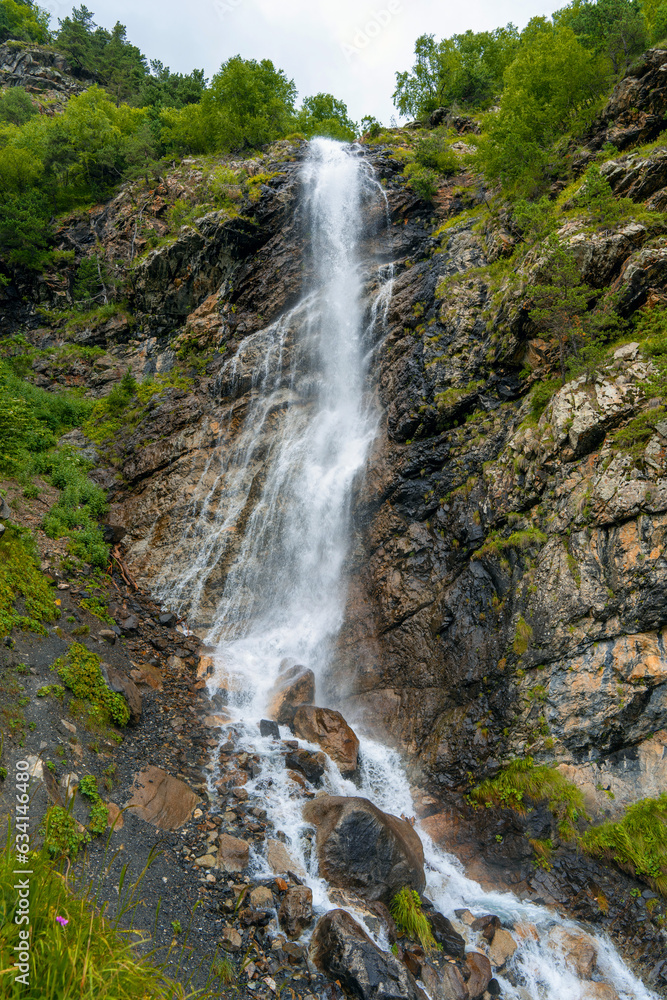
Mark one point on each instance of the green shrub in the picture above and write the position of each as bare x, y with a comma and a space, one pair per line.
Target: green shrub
435, 152
63, 837
637, 842
522, 637
541, 395
422, 180
80, 504
406, 909
99, 814
81, 673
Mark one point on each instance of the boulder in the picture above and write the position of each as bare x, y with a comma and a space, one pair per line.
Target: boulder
599, 991
296, 910
343, 951
330, 731
261, 898
480, 974
361, 848
294, 687
502, 948
449, 940
268, 727
577, 948
162, 800
233, 853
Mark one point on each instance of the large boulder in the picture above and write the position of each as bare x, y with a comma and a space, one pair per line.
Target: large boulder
343, 951
161, 799
577, 948
295, 686
361, 848
330, 731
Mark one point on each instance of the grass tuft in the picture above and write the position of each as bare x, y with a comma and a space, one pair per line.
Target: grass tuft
637, 842
406, 909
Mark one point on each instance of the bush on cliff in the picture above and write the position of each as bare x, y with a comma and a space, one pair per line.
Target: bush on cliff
637, 842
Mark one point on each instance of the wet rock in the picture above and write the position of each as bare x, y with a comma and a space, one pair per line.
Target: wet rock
502, 948
480, 974
296, 910
294, 687
330, 730
233, 853
343, 951
268, 727
451, 942
445, 983
599, 991
279, 859
119, 682
577, 948
486, 925
162, 800
168, 619
261, 898
310, 763
361, 848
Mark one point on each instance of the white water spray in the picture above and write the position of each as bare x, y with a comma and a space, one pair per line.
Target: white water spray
276, 516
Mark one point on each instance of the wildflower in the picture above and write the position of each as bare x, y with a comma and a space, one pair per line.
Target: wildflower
62, 921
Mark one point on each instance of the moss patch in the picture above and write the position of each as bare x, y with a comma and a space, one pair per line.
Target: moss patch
22, 580
80, 672
524, 779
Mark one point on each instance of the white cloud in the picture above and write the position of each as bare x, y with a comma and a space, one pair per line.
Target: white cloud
351, 48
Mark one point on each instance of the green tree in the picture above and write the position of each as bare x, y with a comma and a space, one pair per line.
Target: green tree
248, 104
16, 106
616, 28
551, 87
466, 69
323, 114
560, 301
23, 21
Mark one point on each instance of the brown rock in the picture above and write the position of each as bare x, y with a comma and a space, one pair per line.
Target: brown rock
502, 948
261, 898
280, 861
233, 853
445, 983
480, 973
577, 948
205, 666
599, 991
361, 848
330, 731
296, 910
231, 939
114, 816
295, 687
162, 800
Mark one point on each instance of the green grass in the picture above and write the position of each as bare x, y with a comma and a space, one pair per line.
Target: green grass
520, 541
637, 842
406, 909
80, 672
97, 608
76, 951
522, 637
524, 779
80, 504
22, 580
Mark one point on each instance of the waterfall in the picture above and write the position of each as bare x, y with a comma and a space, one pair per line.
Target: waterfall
276, 515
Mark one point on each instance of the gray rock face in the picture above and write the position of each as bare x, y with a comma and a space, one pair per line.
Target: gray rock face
361, 848
342, 950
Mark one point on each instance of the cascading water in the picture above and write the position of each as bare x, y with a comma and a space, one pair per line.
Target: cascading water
275, 514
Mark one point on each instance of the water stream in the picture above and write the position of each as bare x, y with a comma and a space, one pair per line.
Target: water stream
275, 512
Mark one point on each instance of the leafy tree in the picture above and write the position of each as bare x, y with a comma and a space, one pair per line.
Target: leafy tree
248, 104
616, 28
16, 106
658, 24
25, 232
24, 21
551, 86
20, 170
322, 114
560, 301
466, 69
161, 88
596, 195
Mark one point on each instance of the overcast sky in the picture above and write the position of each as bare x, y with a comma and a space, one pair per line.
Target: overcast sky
351, 48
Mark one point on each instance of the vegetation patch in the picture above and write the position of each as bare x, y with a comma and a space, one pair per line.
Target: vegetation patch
637, 843
97, 608
522, 637
519, 541
63, 836
406, 909
99, 814
523, 779
21, 579
80, 672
